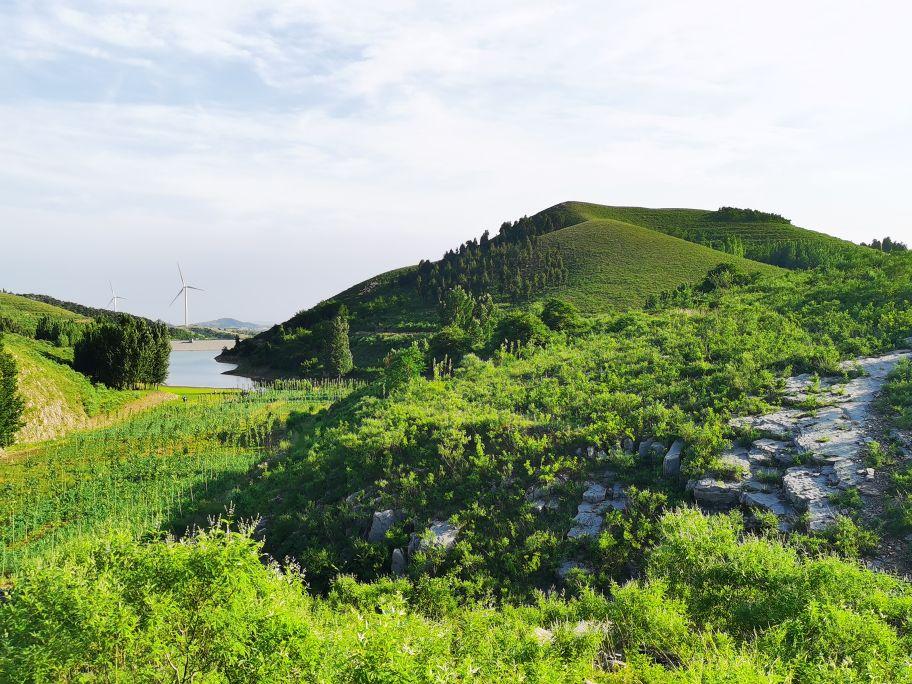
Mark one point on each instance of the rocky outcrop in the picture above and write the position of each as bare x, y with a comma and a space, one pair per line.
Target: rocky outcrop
598, 498
381, 523
805, 457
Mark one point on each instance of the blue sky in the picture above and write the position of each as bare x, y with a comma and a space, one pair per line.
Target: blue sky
285, 150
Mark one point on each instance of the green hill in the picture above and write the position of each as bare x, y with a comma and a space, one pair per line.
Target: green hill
58, 398
756, 235
601, 258
21, 314
612, 264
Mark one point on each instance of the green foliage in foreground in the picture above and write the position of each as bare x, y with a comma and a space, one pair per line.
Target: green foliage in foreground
713, 606
153, 470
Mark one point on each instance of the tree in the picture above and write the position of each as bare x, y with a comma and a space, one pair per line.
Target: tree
11, 404
558, 314
338, 352
124, 352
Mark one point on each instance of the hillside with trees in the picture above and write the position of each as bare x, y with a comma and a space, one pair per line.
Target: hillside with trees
706, 479
598, 257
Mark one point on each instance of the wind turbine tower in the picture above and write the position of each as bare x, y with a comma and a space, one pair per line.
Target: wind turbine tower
114, 297
183, 291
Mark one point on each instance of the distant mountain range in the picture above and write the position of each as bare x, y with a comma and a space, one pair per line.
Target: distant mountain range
234, 324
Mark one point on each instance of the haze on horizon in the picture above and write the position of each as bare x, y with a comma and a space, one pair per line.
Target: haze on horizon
283, 151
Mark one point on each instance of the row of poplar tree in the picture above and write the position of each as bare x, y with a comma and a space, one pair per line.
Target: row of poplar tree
124, 352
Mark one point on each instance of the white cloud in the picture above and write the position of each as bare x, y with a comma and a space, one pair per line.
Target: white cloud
311, 144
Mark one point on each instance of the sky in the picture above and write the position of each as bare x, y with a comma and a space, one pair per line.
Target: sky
283, 151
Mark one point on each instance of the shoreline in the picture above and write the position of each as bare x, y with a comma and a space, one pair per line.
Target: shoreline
201, 345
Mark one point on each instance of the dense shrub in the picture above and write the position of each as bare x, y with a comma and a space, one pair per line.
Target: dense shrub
124, 352
714, 606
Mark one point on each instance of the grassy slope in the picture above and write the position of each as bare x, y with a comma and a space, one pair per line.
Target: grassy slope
616, 257
58, 399
26, 312
693, 224
612, 264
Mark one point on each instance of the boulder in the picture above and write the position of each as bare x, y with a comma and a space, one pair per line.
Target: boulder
713, 493
381, 523
594, 494
565, 568
671, 463
397, 564
441, 534
627, 445
588, 524
765, 502
643, 450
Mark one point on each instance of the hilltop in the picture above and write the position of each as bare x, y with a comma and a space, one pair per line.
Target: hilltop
601, 258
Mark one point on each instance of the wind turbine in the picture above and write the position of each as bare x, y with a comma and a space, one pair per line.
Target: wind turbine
183, 291
114, 297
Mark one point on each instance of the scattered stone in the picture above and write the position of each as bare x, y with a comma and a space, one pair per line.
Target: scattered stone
627, 445
588, 524
765, 502
397, 565
565, 568
671, 463
737, 459
643, 450
543, 636
713, 493
441, 534
382, 522
594, 493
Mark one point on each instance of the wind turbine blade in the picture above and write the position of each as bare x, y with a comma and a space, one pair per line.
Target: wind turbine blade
181, 273
111, 301
190, 287
179, 293
112, 287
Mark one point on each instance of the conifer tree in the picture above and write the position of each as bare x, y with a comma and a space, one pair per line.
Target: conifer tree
11, 404
338, 352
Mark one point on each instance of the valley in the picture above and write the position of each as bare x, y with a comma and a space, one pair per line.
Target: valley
605, 444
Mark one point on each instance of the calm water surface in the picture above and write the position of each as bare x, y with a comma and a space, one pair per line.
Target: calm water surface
200, 369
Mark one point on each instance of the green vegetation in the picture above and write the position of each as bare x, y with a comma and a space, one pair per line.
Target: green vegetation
149, 471
11, 404
57, 398
483, 419
743, 232
714, 605
597, 257
614, 264
124, 353
21, 315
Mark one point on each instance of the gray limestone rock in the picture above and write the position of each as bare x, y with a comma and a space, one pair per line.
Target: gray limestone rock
671, 463
381, 523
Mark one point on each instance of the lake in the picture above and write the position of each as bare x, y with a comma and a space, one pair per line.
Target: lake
200, 369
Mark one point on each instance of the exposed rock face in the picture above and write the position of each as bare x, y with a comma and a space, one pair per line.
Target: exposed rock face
381, 523
594, 493
671, 464
713, 493
827, 440
598, 498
